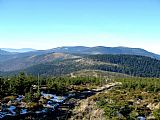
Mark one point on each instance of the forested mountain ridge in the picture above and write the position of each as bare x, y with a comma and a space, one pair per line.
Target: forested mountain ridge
85, 50
3, 52
131, 64
12, 55
105, 50
30, 60
64, 60
127, 64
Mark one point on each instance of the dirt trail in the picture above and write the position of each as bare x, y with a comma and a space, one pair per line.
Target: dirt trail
86, 109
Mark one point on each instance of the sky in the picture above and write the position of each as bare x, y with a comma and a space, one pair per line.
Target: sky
45, 24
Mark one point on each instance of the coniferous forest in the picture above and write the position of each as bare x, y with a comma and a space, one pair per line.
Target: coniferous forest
79, 60
117, 86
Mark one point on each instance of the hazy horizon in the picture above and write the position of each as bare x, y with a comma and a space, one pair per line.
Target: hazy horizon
49, 24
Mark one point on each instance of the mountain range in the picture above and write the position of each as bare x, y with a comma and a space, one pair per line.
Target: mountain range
83, 50
106, 50
64, 60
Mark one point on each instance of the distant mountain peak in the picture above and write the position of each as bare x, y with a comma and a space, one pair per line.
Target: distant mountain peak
106, 50
3, 52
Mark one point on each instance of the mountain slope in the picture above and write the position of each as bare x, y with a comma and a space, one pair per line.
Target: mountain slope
127, 64
45, 61
67, 49
80, 50
13, 56
27, 61
106, 50
3, 52
130, 64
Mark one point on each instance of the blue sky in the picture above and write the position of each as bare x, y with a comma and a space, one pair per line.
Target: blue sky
44, 24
